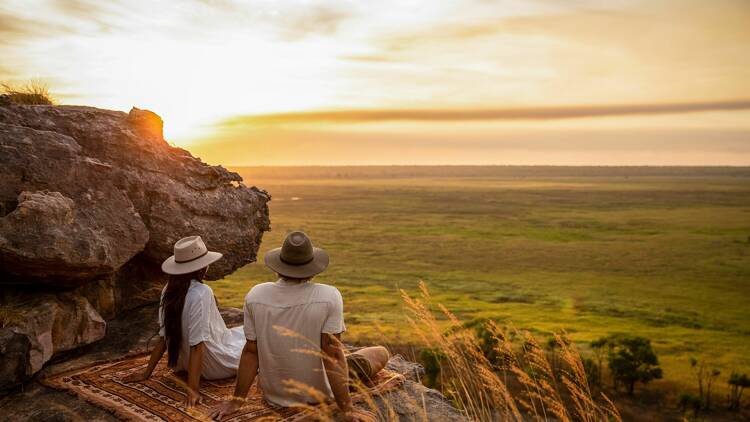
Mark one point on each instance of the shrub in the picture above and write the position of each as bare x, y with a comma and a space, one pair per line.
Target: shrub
33, 93
631, 360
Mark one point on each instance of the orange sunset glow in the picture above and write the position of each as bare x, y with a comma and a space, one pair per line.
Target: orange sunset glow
663, 82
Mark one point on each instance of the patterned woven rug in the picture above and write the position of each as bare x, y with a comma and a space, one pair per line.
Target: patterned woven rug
160, 397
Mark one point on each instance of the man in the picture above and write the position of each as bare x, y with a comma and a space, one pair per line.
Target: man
293, 329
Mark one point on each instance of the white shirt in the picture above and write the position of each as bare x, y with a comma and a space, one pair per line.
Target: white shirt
202, 322
306, 310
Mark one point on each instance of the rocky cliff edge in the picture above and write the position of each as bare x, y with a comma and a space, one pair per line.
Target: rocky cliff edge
91, 202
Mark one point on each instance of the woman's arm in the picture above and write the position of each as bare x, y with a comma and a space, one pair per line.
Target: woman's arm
195, 364
156, 355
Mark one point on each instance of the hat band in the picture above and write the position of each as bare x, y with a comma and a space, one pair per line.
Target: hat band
191, 259
296, 263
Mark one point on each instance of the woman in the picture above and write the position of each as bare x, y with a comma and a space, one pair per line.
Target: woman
191, 329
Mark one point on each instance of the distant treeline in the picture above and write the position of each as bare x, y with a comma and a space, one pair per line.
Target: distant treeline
397, 172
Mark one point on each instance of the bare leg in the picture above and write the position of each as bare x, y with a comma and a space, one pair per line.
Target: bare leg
377, 356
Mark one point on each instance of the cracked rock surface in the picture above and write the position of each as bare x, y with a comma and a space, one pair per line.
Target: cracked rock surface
91, 203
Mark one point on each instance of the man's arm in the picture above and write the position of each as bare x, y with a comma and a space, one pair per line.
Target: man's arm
247, 370
156, 355
195, 364
245, 376
337, 370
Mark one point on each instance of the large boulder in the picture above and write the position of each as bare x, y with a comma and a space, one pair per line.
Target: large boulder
91, 203
124, 191
50, 237
51, 323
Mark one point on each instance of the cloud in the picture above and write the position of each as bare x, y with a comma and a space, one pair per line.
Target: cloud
80, 9
488, 114
300, 22
368, 58
635, 146
15, 28
675, 49
12, 25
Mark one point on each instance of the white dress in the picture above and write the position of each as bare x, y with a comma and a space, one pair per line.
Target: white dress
202, 322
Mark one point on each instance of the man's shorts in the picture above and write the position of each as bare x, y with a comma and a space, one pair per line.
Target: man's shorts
359, 367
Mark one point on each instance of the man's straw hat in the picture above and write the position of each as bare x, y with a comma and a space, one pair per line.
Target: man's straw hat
190, 254
297, 257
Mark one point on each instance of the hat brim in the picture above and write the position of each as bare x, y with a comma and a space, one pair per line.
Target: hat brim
318, 264
169, 266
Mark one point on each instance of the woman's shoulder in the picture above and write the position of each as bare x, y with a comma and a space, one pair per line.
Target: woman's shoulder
200, 290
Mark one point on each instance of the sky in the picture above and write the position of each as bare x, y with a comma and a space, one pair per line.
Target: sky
344, 82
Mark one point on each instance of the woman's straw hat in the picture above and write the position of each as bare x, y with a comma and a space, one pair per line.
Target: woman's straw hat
190, 254
297, 257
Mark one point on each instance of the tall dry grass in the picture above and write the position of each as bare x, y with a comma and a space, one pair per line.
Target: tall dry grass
31, 93
480, 388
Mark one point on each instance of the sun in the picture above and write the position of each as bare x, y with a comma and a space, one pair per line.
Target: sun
193, 84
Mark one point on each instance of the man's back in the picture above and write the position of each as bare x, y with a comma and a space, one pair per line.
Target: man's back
286, 319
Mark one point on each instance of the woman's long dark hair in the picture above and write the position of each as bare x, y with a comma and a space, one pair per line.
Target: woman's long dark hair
172, 304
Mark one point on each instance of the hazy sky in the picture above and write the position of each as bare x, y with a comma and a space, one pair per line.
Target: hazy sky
405, 82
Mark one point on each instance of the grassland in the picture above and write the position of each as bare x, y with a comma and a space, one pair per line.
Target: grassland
663, 253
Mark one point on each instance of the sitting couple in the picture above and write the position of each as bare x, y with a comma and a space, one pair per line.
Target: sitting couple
290, 338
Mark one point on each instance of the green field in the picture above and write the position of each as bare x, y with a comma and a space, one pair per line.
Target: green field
662, 253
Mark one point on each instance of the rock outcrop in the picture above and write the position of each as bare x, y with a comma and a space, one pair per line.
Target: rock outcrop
91, 202
121, 189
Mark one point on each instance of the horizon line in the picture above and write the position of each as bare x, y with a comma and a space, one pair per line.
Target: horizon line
734, 166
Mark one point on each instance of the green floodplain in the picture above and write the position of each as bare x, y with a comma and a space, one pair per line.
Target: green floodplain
658, 252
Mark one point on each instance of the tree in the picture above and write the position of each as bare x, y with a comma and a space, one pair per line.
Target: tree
705, 378
632, 360
699, 369
737, 383
711, 378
